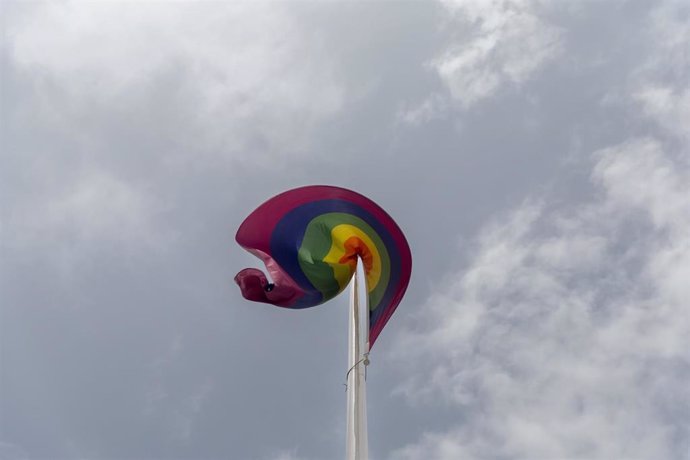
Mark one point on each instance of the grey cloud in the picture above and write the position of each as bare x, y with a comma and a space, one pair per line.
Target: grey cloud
135, 139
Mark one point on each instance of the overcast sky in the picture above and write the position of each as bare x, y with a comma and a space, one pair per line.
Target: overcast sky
535, 153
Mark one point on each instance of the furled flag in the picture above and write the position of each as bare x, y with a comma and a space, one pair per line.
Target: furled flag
310, 238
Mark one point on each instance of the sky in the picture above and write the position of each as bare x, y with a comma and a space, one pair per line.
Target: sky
535, 153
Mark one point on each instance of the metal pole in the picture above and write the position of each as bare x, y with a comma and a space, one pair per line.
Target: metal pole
358, 359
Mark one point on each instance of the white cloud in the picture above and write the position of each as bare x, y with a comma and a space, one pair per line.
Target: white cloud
510, 41
433, 107
567, 335
669, 107
111, 89
660, 85
504, 43
248, 80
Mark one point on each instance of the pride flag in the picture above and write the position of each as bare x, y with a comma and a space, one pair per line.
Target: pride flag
310, 240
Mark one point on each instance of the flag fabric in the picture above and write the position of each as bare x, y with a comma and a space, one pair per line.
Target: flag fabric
310, 240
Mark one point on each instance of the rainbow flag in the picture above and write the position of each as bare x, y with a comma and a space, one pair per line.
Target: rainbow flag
310, 239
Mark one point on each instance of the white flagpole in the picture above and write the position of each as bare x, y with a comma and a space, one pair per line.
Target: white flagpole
358, 359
